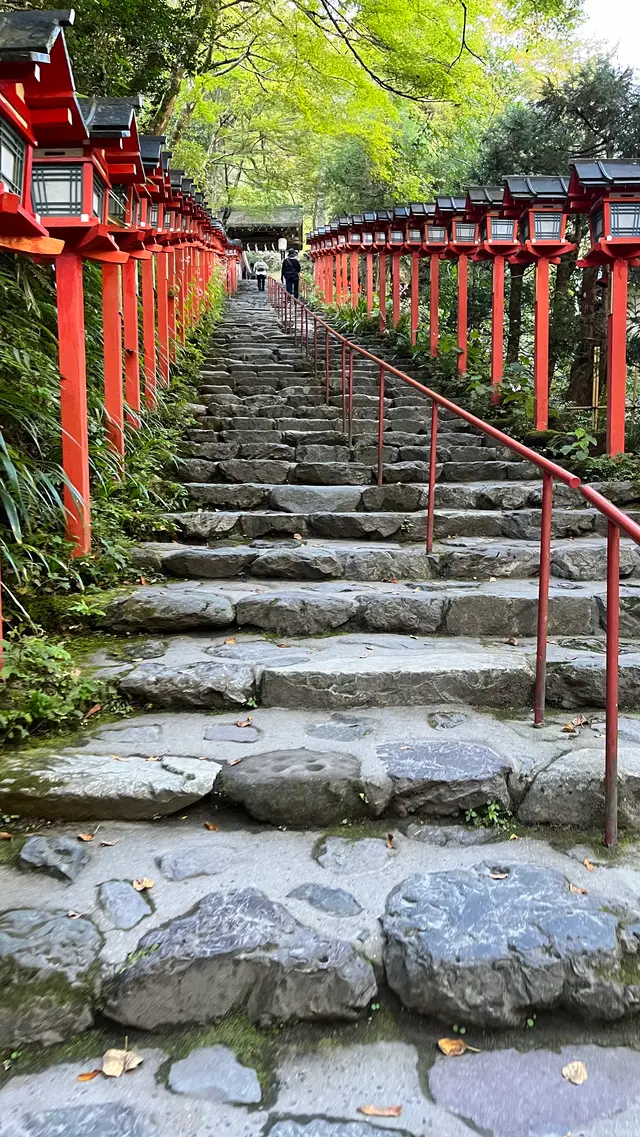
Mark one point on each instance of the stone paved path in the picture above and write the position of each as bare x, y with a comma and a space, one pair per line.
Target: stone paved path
280, 906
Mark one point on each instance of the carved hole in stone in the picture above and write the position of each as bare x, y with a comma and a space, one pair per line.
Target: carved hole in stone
315, 766
323, 959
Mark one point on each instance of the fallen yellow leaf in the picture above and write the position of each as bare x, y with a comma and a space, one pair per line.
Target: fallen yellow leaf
380, 1110
244, 722
297, 536
231, 640
575, 1072
513, 837
588, 864
454, 1047
498, 875
88, 1076
86, 836
211, 827
6, 836
142, 883
117, 1062
574, 888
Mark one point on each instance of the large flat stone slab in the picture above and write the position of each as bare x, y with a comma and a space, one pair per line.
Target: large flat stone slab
214, 1073
158, 609
58, 856
490, 945
297, 787
296, 612
74, 785
49, 977
570, 790
239, 951
444, 778
210, 683
95, 1120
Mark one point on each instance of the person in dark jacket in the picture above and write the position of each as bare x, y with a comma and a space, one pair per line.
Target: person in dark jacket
290, 274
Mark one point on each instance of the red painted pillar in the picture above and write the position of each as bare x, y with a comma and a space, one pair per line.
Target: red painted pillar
149, 332
463, 282
329, 282
131, 344
434, 303
395, 289
163, 317
497, 327
382, 291
73, 400
112, 335
617, 359
541, 347
354, 283
415, 296
179, 289
170, 293
369, 263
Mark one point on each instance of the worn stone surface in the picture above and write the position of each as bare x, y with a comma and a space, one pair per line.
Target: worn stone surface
444, 778
300, 563
207, 684
62, 857
319, 1127
85, 786
296, 787
312, 499
342, 856
489, 945
343, 727
114, 1120
335, 901
213, 563
459, 836
570, 791
199, 861
48, 975
298, 613
480, 1088
239, 951
214, 1073
230, 732
123, 906
166, 609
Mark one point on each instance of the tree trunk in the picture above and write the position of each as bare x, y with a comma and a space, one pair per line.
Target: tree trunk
514, 312
162, 117
561, 311
581, 381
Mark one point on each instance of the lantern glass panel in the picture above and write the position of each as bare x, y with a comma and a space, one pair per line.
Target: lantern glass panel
354, 238
598, 224
415, 235
367, 238
117, 205
381, 237
437, 232
97, 200
168, 219
56, 189
185, 221
625, 219
342, 239
501, 229
153, 219
465, 231
397, 236
547, 226
12, 152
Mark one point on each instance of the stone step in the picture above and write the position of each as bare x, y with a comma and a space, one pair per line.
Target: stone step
579, 559
369, 670
503, 608
336, 473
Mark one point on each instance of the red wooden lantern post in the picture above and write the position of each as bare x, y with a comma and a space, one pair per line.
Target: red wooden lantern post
355, 243
539, 203
499, 237
435, 244
381, 244
151, 153
610, 192
463, 242
69, 189
415, 236
397, 246
368, 232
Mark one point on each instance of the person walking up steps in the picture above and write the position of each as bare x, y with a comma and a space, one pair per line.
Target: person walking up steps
261, 270
291, 270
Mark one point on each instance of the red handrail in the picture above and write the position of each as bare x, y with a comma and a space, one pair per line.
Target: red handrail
287, 305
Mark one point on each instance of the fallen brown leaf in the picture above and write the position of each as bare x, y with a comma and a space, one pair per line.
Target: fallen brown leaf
86, 836
575, 1072
74, 915
235, 762
498, 875
93, 710
143, 580
88, 1076
454, 1047
117, 1062
574, 888
6, 836
390, 842
588, 864
513, 641
297, 536
244, 722
231, 640
380, 1110
108, 844
211, 827
513, 837
153, 758
569, 728
142, 883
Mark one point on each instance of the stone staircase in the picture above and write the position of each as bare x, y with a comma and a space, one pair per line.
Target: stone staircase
278, 837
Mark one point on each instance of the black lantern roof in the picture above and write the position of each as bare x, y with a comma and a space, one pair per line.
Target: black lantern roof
537, 188
151, 150
166, 158
334, 227
618, 172
448, 204
421, 209
110, 118
29, 36
384, 215
176, 179
357, 219
485, 196
369, 216
199, 198
186, 186
344, 222
401, 210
